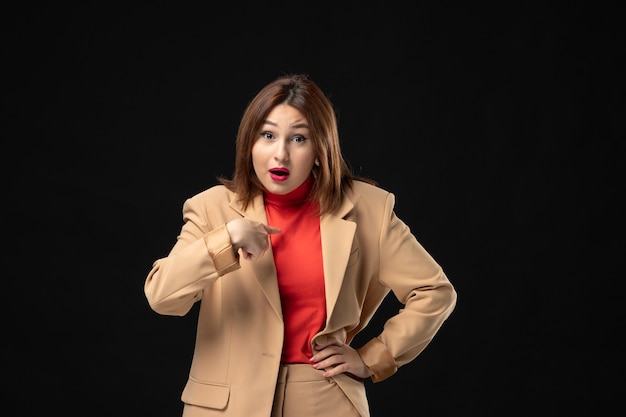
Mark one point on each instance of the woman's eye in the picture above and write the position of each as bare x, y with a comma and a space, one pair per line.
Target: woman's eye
298, 139
266, 135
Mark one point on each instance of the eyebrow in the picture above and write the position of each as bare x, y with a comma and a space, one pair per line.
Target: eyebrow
296, 126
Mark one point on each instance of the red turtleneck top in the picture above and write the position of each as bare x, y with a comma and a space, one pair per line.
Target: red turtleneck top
298, 259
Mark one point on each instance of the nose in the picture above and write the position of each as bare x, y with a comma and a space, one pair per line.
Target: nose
282, 152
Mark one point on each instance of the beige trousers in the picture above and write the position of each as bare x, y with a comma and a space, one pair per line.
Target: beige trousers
302, 391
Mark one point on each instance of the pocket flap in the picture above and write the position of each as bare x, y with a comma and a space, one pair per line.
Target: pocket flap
206, 394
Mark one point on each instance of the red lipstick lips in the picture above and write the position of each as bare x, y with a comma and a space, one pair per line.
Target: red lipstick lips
279, 174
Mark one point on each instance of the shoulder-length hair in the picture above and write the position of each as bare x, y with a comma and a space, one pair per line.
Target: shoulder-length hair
332, 175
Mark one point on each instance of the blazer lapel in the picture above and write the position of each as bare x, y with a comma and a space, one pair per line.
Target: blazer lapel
263, 267
337, 237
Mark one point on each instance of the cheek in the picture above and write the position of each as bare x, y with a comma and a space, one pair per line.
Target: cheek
257, 155
310, 159
305, 165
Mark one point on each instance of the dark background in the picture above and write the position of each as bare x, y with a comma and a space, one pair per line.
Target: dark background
499, 128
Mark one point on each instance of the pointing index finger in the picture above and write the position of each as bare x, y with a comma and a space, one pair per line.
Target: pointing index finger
272, 230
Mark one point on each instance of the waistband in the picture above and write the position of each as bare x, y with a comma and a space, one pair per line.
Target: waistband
299, 373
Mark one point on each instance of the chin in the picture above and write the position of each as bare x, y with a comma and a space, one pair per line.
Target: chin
280, 188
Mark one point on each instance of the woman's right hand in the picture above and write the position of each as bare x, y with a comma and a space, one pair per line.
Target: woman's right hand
250, 236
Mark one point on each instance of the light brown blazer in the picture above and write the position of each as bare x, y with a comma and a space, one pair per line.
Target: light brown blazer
367, 252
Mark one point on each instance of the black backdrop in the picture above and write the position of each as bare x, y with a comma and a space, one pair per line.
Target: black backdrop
499, 128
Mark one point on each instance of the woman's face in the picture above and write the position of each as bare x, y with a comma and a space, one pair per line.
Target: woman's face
283, 155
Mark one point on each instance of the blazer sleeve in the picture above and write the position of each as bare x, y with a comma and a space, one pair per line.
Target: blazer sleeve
420, 284
201, 254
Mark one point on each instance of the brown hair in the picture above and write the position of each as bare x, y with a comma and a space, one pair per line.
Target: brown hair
332, 176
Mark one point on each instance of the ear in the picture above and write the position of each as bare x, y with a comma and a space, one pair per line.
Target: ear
317, 162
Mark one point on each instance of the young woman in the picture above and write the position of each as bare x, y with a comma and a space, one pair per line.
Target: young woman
290, 259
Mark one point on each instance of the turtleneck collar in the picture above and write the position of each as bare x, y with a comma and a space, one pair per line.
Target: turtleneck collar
293, 198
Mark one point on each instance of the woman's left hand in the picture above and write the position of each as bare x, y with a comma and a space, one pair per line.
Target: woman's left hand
342, 358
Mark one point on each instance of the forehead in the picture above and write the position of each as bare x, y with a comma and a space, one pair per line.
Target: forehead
286, 115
